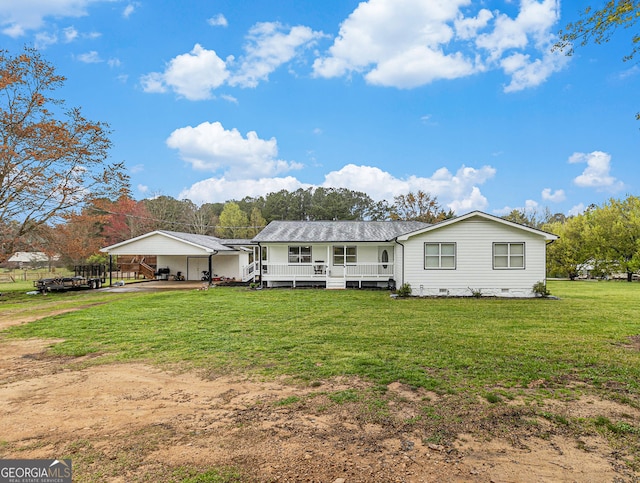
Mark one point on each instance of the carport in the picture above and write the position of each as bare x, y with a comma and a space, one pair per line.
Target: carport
187, 255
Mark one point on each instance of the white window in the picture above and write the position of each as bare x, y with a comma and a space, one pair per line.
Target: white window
440, 256
508, 255
299, 254
345, 255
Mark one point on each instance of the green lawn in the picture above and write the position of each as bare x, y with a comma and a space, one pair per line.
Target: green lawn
448, 345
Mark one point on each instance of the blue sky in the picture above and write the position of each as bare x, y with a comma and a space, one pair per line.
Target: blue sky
215, 100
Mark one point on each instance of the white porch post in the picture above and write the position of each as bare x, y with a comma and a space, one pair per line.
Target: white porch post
327, 270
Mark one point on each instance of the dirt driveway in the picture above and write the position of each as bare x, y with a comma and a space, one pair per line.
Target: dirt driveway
136, 422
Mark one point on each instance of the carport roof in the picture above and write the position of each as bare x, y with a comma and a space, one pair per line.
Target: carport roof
206, 242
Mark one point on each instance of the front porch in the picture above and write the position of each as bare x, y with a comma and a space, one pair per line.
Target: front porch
321, 274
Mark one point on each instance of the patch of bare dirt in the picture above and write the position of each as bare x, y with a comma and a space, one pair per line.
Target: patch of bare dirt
9, 318
135, 422
634, 343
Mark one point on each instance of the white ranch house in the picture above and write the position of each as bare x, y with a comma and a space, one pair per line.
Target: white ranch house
473, 253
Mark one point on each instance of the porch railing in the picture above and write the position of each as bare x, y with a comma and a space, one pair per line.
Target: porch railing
249, 271
285, 271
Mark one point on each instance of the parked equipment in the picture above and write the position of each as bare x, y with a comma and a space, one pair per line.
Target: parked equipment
86, 277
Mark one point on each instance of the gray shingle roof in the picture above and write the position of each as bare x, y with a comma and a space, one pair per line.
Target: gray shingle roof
336, 231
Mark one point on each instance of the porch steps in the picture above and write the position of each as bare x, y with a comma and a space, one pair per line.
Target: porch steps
336, 284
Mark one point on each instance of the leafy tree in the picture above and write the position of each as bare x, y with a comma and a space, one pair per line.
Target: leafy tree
379, 211
50, 157
599, 25
614, 234
256, 222
420, 206
531, 217
570, 253
233, 222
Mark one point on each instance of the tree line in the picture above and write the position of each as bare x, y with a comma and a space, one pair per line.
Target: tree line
601, 242
80, 233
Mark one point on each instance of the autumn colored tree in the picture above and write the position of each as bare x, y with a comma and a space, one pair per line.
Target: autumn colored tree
418, 206
51, 157
123, 219
76, 238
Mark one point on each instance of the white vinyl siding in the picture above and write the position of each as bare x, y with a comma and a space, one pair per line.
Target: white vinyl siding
440, 256
158, 244
474, 240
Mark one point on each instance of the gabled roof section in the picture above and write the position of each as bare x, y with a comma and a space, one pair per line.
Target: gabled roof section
479, 214
208, 243
336, 231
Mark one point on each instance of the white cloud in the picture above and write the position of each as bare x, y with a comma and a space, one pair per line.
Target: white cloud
576, 210
526, 72
70, 34
214, 190
269, 46
468, 28
90, 57
409, 43
218, 21
530, 207
597, 173
458, 191
197, 74
45, 39
193, 76
210, 147
143, 188
153, 83
533, 23
382, 36
229, 98
17, 17
555, 196
129, 9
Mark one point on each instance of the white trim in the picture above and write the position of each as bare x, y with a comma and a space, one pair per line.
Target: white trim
157, 232
480, 214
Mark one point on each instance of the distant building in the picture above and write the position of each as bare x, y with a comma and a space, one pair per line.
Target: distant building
31, 260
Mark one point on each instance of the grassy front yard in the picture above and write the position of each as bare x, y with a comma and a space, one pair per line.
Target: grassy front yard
447, 345
478, 355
